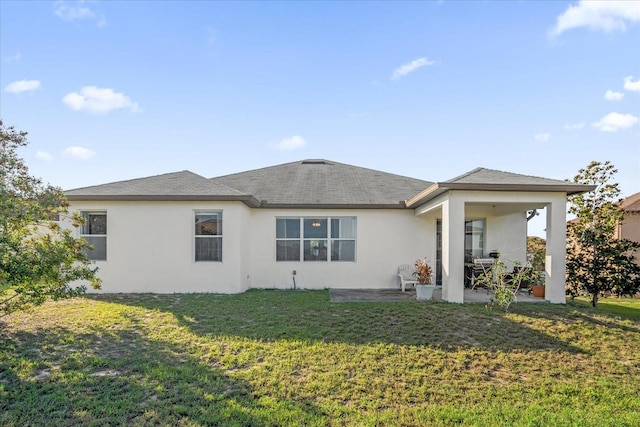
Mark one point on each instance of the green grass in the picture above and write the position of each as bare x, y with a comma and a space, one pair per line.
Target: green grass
292, 358
624, 307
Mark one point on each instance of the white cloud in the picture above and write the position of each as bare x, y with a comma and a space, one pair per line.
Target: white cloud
15, 58
630, 85
78, 153
542, 137
291, 143
574, 126
405, 69
606, 15
43, 155
99, 100
70, 13
613, 122
67, 12
23, 86
613, 96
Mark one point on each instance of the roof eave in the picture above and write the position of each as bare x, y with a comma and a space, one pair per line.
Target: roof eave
442, 187
250, 201
568, 188
428, 194
268, 205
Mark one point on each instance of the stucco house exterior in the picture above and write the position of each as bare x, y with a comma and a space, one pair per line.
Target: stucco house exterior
313, 224
630, 227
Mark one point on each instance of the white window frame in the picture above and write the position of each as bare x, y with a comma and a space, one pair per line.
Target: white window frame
207, 236
85, 216
302, 239
290, 239
343, 239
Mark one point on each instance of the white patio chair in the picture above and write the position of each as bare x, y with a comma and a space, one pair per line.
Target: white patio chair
405, 273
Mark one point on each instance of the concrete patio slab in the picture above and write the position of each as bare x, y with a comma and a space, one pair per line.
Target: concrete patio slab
396, 295
371, 295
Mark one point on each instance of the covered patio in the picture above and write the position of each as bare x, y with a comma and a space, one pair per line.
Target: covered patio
485, 211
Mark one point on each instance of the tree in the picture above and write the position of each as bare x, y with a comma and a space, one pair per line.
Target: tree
38, 259
536, 252
597, 262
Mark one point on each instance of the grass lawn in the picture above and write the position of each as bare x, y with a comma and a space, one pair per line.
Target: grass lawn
292, 358
625, 307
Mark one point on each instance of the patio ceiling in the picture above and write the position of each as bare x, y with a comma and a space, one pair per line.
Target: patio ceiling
502, 208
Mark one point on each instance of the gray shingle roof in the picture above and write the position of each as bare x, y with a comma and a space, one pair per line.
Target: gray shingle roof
496, 177
183, 185
323, 183
314, 183
483, 179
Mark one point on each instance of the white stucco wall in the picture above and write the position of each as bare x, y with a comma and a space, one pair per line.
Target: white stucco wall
150, 247
506, 217
384, 239
505, 233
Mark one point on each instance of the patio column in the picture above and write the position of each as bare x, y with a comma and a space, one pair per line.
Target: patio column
556, 252
453, 249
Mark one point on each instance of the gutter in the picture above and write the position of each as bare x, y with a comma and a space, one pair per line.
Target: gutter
442, 187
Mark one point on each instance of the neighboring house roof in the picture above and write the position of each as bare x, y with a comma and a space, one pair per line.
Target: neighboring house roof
314, 183
631, 203
494, 180
324, 184
183, 185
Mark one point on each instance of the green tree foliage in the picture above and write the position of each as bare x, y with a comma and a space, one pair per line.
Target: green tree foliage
598, 263
536, 252
38, 259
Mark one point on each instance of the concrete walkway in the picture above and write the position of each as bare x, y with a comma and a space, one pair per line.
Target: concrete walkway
391, 295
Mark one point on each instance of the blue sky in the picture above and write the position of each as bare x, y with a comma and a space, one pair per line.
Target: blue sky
116, 90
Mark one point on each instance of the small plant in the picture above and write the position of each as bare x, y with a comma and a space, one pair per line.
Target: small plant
422, 271
505, 286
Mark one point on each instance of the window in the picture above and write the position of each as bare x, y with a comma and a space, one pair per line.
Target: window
474, 239
208, 236
288, 239
316, 239
94, 231
343, 239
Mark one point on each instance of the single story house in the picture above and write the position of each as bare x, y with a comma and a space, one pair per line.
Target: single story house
313, 224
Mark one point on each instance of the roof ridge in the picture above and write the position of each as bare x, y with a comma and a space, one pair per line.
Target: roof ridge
528, 176
479, 169
464, 175
379, 171
138, 179
252, 170
317, 162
